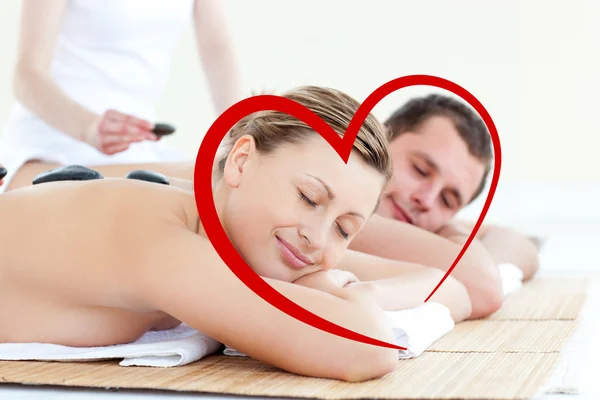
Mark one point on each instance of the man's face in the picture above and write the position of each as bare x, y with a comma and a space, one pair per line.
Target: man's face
434, 175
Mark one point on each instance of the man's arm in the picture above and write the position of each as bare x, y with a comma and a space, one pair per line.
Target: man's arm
399, 285
393, 284
506, 245
181, 274
399, 241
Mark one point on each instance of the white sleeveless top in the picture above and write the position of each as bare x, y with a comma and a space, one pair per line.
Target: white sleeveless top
110, 54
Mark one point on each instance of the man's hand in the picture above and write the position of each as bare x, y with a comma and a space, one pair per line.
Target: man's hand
507, 245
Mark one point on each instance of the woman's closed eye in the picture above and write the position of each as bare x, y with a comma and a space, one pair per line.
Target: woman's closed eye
313, 204
306, 199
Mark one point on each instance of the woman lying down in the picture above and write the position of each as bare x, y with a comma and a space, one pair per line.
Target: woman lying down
101, 262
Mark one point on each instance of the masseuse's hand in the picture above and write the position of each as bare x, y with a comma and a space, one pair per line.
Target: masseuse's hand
2, 174
113, 132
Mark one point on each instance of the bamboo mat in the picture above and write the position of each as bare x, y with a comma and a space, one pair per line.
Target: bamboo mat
506, 337
508, 356
431, 376
545, 299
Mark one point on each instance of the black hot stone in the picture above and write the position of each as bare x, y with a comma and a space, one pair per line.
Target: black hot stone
68, 173
163, 129
3, 172
148, 176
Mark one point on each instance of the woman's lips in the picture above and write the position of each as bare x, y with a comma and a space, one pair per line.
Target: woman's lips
400, 214
292, 255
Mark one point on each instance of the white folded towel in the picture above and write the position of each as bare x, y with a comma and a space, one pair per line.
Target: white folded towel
512, 278
415, 329
420, 327
538, 241
170, 348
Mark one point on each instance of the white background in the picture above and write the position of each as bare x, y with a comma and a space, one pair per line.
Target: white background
534, 65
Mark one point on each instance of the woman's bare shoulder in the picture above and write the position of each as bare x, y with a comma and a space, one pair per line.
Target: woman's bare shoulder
154, 207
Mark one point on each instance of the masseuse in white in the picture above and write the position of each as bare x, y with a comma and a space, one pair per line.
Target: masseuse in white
85, 68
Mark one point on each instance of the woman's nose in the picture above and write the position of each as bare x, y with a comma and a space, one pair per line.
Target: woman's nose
315, 236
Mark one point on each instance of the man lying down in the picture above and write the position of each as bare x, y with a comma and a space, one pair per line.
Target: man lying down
102, 261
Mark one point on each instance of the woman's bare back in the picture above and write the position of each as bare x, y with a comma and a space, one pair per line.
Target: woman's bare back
69, 253
101, 262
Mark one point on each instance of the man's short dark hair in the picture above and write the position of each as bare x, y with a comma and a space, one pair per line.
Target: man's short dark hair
467, 122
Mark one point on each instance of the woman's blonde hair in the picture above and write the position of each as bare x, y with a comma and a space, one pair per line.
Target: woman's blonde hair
271, 129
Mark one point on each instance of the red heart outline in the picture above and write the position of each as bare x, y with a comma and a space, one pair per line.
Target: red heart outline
343, 146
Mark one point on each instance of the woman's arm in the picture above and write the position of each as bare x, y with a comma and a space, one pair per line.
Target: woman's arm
181, 274
387, 238
36, 90
216, 54
399, 285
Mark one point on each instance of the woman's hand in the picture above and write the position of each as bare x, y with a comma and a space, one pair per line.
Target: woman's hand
328, 281
342, 278
114, 132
